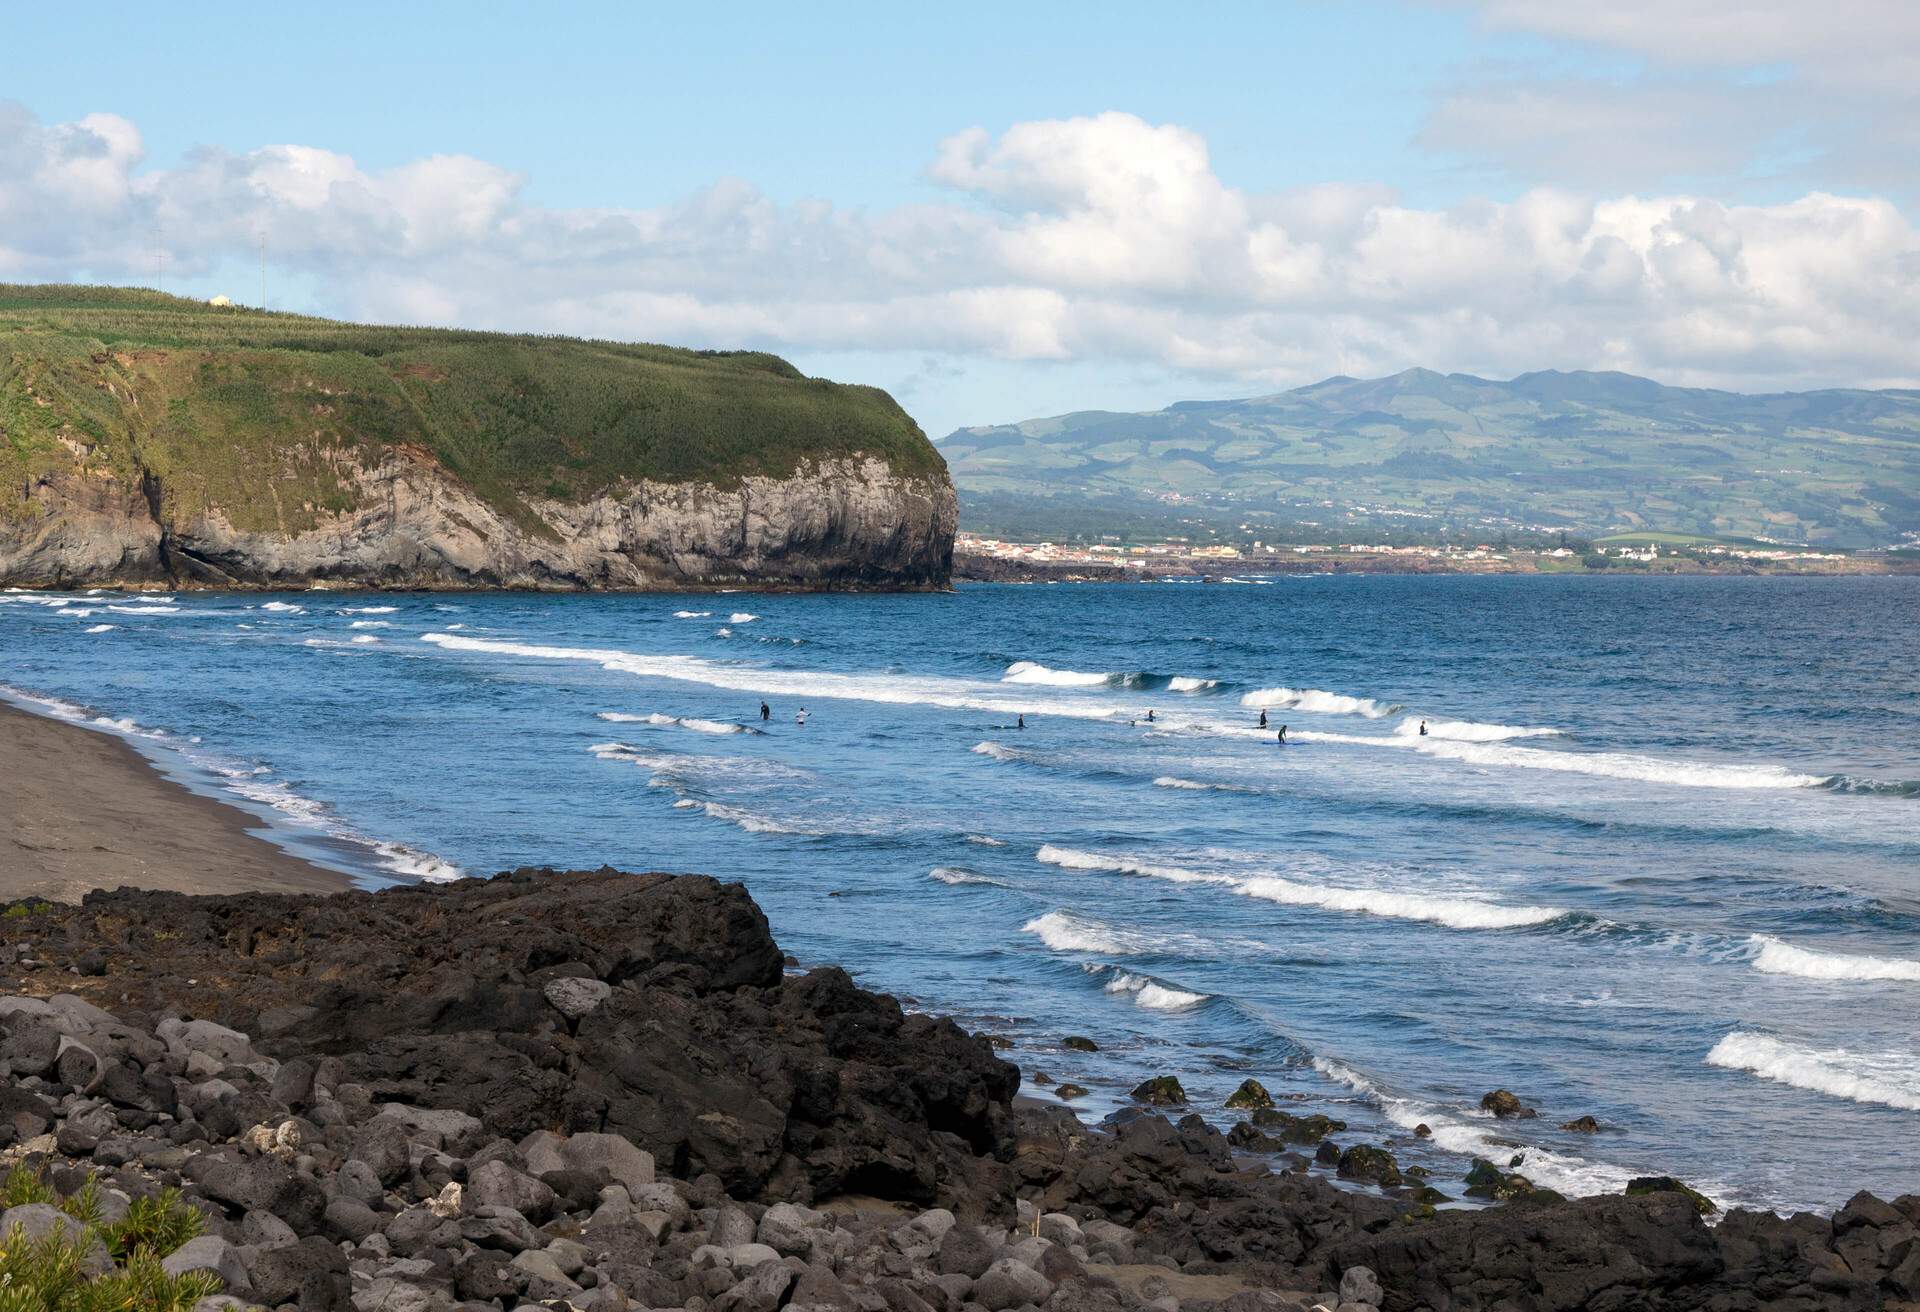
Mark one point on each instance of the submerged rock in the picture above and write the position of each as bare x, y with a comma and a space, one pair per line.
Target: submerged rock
1160, 1091
1250, 1095
1581, 1125
1506, 1105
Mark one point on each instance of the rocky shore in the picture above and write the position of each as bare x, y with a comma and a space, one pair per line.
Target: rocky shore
611, 1091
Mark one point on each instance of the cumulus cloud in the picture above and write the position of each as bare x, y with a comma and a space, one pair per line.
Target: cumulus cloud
1105, 239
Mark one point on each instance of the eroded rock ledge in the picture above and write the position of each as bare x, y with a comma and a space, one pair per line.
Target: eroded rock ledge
838, 523
604, 1089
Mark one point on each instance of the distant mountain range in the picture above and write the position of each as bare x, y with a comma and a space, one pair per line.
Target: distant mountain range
1588, 453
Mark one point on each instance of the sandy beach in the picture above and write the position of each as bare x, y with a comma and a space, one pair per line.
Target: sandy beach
81, 810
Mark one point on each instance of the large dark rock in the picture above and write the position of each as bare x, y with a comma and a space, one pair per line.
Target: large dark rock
703, 1054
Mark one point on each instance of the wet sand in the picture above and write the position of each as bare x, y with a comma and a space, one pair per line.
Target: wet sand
81, 810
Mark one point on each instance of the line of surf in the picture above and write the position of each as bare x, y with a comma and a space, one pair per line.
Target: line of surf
1891, 1079
1451, 912
1777, 958
956, 694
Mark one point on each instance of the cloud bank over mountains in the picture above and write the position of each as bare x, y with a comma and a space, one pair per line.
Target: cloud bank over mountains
1109, 238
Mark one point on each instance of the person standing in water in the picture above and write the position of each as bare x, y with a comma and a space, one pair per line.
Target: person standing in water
766, 712
1282, 739
1023, 722
1423, 728
1149, 715
801, 718
1263, 719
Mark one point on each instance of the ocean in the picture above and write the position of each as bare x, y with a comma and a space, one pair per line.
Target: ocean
1656, 860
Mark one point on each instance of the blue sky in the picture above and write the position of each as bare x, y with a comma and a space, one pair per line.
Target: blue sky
1011, 210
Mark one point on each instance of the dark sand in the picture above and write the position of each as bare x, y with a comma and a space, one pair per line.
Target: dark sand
81, 810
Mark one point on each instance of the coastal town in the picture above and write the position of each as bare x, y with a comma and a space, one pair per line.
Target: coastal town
990, 558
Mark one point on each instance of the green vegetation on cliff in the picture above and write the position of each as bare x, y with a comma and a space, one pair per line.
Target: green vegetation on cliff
265, 416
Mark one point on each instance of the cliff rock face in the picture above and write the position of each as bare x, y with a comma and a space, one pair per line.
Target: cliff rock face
146, 439
848, 522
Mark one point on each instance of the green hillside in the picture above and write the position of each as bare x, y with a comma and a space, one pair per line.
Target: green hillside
1423, 452
258, 413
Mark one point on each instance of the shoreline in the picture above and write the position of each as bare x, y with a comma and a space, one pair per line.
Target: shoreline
84, 810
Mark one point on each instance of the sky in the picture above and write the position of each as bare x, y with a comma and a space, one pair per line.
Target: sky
1000, 211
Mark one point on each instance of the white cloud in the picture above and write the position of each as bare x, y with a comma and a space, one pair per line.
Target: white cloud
1103, 240
1736, 96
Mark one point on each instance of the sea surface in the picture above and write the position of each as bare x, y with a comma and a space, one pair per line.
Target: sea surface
1656, 860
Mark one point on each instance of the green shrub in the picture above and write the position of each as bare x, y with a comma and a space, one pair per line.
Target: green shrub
47, 1275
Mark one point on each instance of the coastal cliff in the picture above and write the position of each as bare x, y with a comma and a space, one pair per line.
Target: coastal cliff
146, 440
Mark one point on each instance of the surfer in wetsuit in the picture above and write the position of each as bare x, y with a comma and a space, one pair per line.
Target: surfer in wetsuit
1282, 739
1263, 719
766, 712
1149, 716
1423, 728
1022, 724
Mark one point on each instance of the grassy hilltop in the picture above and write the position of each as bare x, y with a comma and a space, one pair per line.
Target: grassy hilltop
259, 413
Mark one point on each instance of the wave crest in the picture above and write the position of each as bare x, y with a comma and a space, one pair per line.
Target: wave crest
1890, 1080
1318, 701
1777, 958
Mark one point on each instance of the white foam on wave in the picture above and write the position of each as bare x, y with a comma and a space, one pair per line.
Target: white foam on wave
1606, 765
1186, 683
723, 632
1174, 781
1151, 993
102, 628
692, 614
75, 612
144, 610
1068, 858
984, 840
959, 876
1889, 1079
370, 624
1319, 702
895, 690
1452, 912
1066, 933
751, 821
1777, 958
1034, 672
1470, 731
998, 752
676, 721
368, 610
284, 608
742, 617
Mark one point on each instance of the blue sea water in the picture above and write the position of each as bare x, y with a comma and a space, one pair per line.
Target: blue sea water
1657, 859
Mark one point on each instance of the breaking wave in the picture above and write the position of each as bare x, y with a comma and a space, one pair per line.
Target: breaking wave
692, 614
1777, 958
102, 628
1034, 672
1892, 1080
1608, 765
1452, 912
677, 721
1067, 933
1318, 702
1151, 993
960, 876
896, 690
741, 617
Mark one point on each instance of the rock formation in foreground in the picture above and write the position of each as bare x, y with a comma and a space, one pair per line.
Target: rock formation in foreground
146, 439
604, 1090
